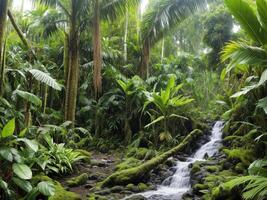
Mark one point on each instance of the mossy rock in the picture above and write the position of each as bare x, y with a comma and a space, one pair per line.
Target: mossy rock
60, 192
246, 156
133, 188
142, 187
79, 180
196, 168
240, 168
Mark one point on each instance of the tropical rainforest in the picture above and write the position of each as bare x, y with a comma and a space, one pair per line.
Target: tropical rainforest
133, 99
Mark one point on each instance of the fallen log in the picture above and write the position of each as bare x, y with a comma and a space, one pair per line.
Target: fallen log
136, 174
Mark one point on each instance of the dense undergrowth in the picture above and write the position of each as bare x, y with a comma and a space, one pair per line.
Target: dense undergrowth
74, 85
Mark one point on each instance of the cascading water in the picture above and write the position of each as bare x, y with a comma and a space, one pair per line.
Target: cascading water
180, 181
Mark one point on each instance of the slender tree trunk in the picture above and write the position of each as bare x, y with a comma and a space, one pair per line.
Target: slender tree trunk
3, 14
126, 35
2, 69
22, 6
73, 68
144, 67
66, 58
162, 50
97, 52
20, 33
45, 94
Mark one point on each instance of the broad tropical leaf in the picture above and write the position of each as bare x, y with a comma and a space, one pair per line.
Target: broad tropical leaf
22, 171
8, 129
28, 97
46, 188
262, 7
25, 185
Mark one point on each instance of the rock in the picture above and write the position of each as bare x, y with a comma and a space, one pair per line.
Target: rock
132, 187
103, 192
137, 197
117, 189
142, 187
88, 186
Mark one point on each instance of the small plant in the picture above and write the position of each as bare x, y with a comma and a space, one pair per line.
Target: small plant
56, 158
165, 103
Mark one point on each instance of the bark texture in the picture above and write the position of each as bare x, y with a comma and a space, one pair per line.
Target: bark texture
144, 67
73, 67
3, 16
97, 57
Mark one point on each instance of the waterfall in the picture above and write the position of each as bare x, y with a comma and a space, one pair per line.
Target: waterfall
180, 181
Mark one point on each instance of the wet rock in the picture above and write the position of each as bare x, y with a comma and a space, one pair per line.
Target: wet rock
103, 192
88, 186
137, 197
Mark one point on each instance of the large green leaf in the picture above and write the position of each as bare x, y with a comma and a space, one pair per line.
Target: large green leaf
32, 144
45, 78
263, 78
28, 97
46, 188
22, 171
8, 129
25, 185
262, 8
6, 153
247, 18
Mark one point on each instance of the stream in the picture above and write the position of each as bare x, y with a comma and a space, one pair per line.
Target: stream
180, 181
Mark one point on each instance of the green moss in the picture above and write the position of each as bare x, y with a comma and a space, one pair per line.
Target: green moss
142, 187
60, 192
214, 168
240, 168
79, 180
200, 187
242, 130
196, 168
244, 155
128, 163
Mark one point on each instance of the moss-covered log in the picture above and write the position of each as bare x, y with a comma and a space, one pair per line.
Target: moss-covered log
136, 174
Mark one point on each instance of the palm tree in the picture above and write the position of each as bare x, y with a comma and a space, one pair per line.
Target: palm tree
161, 17
108, 10
75, 12
242, 52
3, 16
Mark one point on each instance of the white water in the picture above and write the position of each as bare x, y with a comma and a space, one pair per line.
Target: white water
180, 181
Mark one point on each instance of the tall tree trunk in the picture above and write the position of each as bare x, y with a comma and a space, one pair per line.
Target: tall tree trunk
126, 35
144, 67
3, 14
97, 51
73, 68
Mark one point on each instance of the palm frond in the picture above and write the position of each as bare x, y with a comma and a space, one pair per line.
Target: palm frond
262, 7
165, 15
45, 78
241, 53
248, 20
111, 9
